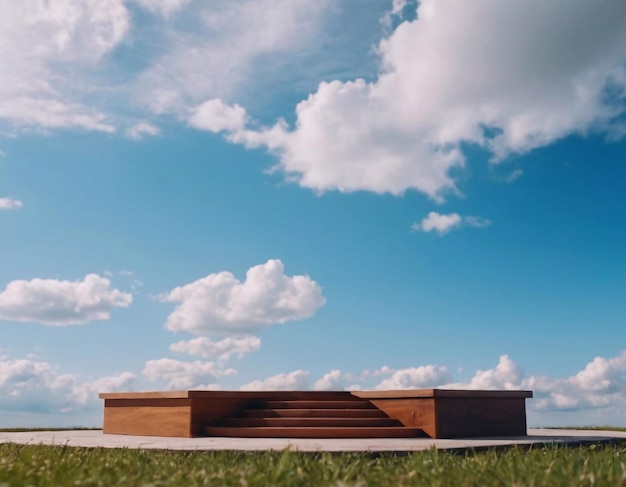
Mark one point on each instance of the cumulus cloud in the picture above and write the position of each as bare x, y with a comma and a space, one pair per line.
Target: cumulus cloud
443, 224
442, 86
216, 116
220, 303
61, 303
332, 381
439, 223
222, 350
10, 204
36, 386
416, 377
298, 380
506, 375
176, 374
41, 42
601, 384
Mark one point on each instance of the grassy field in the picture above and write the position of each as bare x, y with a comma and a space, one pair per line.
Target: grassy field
595, 465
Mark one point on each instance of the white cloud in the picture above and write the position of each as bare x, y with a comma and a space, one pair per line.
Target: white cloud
215, 116
601, 384
84, 392
439, 223
220, 303
40, 43
37, 386
506, 375
61, 303
443, 224
332, 381
298, 380
10, 204
221, 351
142, 129
177, 374
441, 86
416, 377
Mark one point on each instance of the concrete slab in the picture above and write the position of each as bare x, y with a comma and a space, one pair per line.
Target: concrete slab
95, 438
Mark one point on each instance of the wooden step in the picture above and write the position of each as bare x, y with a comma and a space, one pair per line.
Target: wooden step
356, 404
315, 432
310, 422
312, 413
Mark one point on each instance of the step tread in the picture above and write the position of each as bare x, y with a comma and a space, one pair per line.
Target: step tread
313, 432
357, 404
313, 413
310, 422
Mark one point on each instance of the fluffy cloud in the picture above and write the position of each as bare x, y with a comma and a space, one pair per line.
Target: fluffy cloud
219, 303
298, 380
61, 303
10, 204
221, 351
441, 86
39, 41
215, 116
506, 375
442, 224
601, 384
439, 223
332, 381
416, 377
176, 374
36, 386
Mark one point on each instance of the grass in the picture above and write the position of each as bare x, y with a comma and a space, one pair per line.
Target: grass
594, 465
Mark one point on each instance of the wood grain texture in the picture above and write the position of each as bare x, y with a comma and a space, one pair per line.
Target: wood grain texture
434, 412
148, 421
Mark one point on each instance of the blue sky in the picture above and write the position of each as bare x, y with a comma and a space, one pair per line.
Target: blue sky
312, 195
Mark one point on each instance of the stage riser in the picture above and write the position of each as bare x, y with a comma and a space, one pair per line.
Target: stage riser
305, 414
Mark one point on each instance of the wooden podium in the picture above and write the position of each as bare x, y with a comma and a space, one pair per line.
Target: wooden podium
434, 413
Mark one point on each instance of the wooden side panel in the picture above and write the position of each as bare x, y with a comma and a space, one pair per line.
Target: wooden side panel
165, 417
411, 412
471, 417
207, 412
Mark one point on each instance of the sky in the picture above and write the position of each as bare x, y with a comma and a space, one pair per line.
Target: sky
312, 194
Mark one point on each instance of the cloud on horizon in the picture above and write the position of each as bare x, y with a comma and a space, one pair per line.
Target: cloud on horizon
35, 386
596, 394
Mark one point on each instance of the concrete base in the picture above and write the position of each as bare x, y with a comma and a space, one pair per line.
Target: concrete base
95, 438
